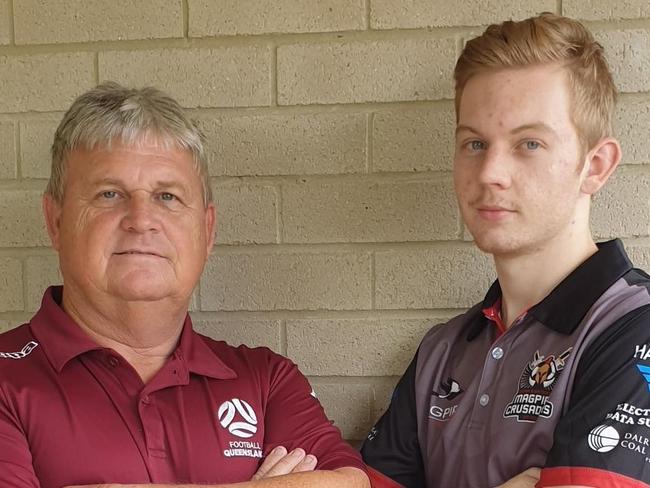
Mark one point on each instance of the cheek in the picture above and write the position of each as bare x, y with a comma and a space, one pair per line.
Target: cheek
463, 185
188, 233
459, 178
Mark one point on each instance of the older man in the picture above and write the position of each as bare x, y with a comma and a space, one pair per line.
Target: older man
108, 383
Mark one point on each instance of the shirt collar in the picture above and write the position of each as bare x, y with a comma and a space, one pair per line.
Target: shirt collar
200, 358
581, 289
59, 336
62, 340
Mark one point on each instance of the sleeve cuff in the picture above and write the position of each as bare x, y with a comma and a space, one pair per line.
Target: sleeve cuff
599, 478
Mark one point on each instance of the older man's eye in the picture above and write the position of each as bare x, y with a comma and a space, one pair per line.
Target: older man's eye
167, 197
109, 194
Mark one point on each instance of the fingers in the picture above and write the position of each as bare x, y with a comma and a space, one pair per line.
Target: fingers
271, 460
279, 462
307, 464
526, 479
533, 473
287, 463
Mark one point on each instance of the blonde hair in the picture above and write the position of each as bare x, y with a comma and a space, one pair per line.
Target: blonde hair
111, 112
545, 39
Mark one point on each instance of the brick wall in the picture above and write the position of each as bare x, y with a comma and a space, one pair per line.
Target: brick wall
330, 126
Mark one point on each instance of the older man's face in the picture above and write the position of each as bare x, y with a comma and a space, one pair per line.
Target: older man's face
132, 224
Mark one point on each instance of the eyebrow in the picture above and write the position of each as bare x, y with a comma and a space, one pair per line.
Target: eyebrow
539, 126
162, 184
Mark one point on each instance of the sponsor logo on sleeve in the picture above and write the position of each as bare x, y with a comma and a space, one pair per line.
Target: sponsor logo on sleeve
642, 352
24, 352
628, 414
238, 417
535, 385
603, 438
645, 372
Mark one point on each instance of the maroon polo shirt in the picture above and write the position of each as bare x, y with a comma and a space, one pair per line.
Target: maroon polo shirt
74, 413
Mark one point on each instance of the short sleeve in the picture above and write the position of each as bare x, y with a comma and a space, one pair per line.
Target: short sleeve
295, 418
392, 446
603, 439
16, 469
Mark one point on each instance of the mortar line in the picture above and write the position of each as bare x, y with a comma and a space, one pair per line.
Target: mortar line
370, 154
186, 19
368, 13
274, 75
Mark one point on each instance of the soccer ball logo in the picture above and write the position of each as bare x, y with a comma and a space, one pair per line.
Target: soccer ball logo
244, 428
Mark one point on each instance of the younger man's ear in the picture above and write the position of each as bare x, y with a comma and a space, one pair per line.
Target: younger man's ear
601, 162
52, 214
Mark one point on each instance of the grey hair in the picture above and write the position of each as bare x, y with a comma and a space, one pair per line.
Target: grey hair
111, 112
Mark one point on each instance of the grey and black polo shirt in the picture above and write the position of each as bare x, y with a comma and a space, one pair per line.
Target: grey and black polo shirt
566, 388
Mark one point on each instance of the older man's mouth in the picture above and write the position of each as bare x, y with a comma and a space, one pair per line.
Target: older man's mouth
137, 252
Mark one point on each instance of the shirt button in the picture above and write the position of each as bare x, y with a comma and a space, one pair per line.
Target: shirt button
484, 400
497, 353
113, 361
145, 400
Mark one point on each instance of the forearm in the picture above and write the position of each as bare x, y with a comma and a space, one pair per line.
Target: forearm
343, 478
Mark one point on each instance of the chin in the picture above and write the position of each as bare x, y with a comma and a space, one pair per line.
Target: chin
142, 289
138, 295
497, 245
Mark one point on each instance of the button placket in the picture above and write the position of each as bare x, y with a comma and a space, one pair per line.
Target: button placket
492, 366
152, 425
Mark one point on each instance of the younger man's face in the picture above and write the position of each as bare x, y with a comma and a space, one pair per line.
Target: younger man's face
517, 160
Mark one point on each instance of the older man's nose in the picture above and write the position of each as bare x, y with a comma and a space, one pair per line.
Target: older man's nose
141, 214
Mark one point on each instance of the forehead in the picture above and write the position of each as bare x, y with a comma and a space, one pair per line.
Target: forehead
146, 165
510, 98
152, 153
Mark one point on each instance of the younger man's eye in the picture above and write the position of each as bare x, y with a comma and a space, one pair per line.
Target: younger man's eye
477, 145
532, 145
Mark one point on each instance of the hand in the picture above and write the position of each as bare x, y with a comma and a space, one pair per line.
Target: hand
278, 462
109, 485
527, 479
106, 485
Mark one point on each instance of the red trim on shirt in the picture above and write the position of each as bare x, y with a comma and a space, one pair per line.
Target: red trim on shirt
493, 313
380, 480
586, 476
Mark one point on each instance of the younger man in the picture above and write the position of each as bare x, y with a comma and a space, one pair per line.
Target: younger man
551, 370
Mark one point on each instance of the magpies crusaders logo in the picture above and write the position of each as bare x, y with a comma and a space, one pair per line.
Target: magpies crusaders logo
449, 390
535, 385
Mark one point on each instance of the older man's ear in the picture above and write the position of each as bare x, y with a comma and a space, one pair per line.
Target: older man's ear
211, 226
52, 214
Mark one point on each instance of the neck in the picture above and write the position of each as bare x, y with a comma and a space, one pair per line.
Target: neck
526, 279
143, 333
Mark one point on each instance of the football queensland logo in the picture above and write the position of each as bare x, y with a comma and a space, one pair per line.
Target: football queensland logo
535, 385
238, 417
